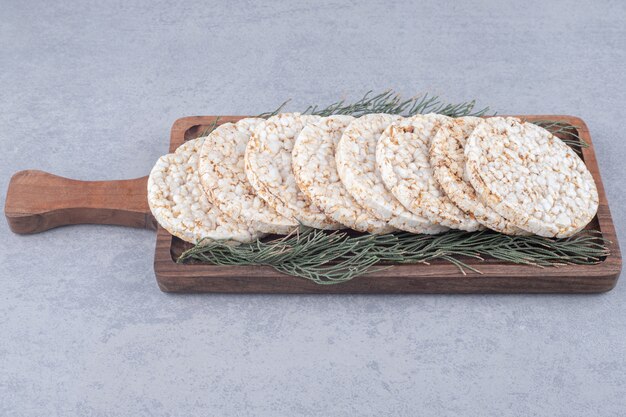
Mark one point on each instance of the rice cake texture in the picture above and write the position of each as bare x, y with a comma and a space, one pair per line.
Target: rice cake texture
356, 165
269, 171
315, 170
530, 177
403, 160
447, 159
180, 205
223, 176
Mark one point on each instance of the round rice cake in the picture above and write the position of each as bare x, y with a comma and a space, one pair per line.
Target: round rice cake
356, 164
403, 159
223, 177
268, 168
530, 177
180, 205
315, 170
447, 159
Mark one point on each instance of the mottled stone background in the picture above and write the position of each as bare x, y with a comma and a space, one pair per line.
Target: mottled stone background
89, 90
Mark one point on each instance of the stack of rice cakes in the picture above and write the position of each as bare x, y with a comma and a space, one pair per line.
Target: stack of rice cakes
377, 174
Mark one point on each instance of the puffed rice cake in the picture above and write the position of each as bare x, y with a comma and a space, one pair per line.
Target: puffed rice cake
447, 159
180, 205
403, 160
315, 170
222, 174
268, 168
530, 177
356, 164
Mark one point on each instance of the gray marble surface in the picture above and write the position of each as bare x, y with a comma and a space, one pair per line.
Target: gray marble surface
89, 90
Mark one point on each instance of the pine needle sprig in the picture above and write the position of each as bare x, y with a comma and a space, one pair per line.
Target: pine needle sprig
314, 254
390, 102
339, 256
210, 128
274, 112
567, 132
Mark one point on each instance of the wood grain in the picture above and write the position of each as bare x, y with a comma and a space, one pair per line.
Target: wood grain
439, 277
38, 201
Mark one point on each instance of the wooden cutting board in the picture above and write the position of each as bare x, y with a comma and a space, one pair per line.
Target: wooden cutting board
38, 201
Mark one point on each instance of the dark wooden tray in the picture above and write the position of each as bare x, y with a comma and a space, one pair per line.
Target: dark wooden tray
37, 201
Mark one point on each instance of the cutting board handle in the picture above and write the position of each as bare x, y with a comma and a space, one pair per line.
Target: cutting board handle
38, 201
